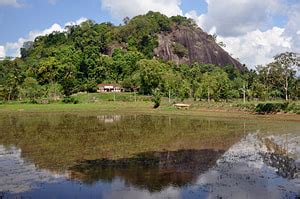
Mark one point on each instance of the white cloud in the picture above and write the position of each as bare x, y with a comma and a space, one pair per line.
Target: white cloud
245, 27
77, 22
13, 48
238, 22
292, 28
236, 17
13, 3
257, 47
198, 19
54, 28
130, 8
2, 52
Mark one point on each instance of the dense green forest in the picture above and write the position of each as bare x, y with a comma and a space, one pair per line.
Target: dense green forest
63, 63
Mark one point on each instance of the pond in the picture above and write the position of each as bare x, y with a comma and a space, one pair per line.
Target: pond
105, 155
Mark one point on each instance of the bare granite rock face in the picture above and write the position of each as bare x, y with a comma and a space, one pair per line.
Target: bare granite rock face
187, 45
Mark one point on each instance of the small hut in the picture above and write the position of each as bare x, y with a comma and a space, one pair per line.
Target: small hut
109, 88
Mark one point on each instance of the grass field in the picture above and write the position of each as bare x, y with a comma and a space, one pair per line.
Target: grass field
129, 103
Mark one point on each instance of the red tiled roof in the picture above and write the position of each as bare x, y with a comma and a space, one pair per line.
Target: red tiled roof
114, 85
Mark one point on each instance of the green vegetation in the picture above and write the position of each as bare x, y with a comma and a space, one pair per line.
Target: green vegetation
131, 102
180, 50
156, 98
270, 107
70, 100
59, 65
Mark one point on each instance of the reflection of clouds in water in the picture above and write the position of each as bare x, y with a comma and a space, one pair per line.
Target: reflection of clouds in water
119, 191
241, 173
17, 175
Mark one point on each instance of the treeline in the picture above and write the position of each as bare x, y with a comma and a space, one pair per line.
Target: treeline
63, 63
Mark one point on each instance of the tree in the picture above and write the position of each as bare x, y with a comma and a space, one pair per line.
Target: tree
184, 90
258, 90
215, 38
224, 85
287, 61
48, 70
150, 75
90, 53
208, 86
172, 84
156, 97
126, 20
215, 85
31, 89
53, 91
11, 76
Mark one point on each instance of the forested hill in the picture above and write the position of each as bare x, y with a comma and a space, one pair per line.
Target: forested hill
149, 52
176, 39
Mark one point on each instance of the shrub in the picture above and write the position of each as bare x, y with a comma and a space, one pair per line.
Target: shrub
246, 107
266, 108
70, 100
294, 108
156, 98
180, 50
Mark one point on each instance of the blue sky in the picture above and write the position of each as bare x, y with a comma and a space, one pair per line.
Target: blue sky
246, 26
40, 14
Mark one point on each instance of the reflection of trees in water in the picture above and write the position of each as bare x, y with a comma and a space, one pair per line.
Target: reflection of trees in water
153, 171
55, 141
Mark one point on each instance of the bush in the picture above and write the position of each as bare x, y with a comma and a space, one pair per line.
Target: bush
156, 98
266, 108
293, 108
70, 100
180, 50
246, 107
29, 101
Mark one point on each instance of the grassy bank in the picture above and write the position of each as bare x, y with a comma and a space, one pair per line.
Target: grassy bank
131, 103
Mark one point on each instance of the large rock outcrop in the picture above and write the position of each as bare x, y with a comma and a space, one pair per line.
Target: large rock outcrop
187, 45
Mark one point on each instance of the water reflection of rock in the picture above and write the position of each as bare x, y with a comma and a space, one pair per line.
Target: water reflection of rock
55, 141
277, 157
286, 166
247, 171
153, 171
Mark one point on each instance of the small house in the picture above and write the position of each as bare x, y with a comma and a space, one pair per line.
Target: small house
109, 88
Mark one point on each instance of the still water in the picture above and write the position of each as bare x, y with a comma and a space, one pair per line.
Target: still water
90, 155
